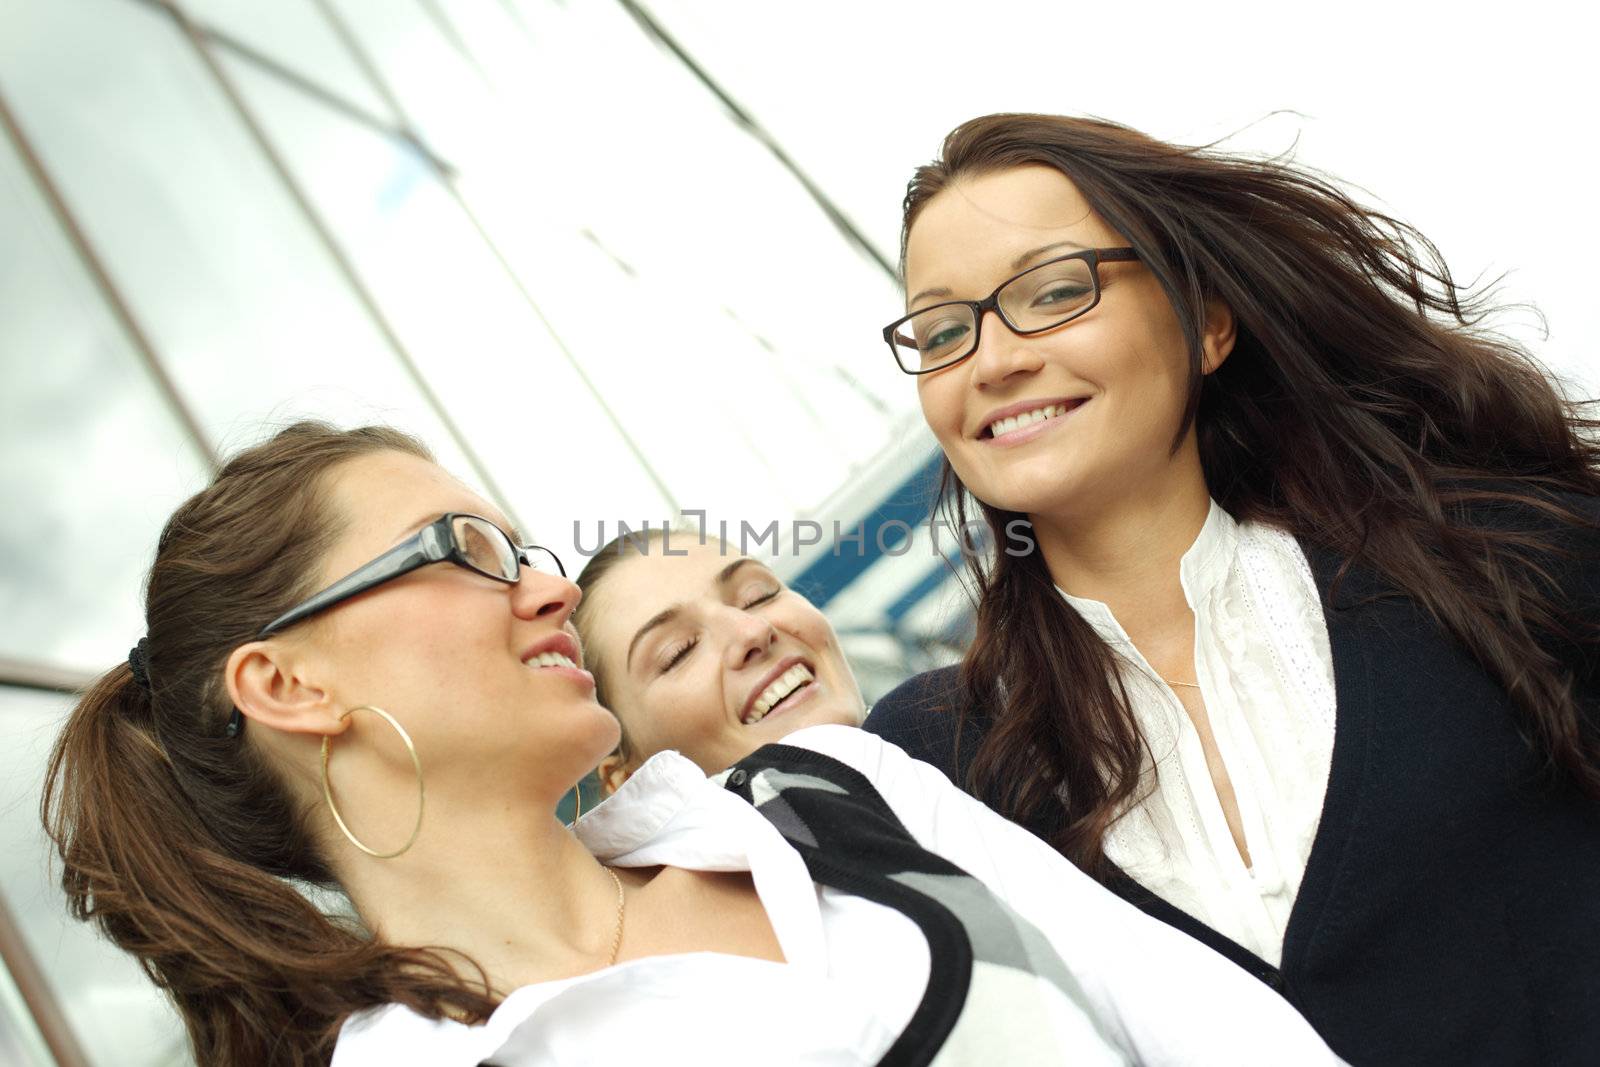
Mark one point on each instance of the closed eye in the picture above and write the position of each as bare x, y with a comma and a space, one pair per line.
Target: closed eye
675, 655
762, 599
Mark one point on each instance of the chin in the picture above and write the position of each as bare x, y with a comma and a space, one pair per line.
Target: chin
1011, 497
829, 715
603, 732
1046, 486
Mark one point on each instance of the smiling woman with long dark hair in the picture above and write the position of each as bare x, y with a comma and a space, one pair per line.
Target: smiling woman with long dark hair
1298, 649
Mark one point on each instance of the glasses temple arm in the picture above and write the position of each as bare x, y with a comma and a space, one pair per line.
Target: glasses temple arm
406, 556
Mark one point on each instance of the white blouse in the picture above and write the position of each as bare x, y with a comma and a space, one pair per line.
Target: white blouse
855, 970
1266, 673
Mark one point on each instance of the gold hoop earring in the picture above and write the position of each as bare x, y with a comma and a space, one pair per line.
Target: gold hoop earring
327, 789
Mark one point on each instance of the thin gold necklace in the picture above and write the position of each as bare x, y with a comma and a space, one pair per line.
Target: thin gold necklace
1186, 685
616, 946
616, 939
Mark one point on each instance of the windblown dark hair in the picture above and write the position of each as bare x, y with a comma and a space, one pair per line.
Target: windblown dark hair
1366, 408
181, 843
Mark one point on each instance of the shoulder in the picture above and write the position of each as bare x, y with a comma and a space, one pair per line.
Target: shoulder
395, 1035
850, 745
936, 692
923, 799
930, 716
1512, 507
1563, 529
1554, 534
903, 780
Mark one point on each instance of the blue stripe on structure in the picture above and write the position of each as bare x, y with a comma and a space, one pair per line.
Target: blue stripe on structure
925, 586
910, 503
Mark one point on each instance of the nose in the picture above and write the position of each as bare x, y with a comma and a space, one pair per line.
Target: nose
1001, 355
550, 597
751, 636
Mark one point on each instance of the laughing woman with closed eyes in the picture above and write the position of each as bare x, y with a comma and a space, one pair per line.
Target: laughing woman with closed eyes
1289, 635
356, 676
705, 652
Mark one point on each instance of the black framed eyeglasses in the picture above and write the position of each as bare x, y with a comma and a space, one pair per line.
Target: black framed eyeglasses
1039, 299
469, 541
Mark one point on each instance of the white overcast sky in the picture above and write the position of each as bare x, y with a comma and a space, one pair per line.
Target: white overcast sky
1473, 121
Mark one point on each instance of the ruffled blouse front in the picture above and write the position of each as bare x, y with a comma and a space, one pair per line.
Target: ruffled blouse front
1266, 674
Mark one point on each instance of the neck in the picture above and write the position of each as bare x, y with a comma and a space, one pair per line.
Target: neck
1126, 552
506, 885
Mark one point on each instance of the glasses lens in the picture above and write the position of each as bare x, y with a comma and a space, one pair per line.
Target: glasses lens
1048, 295
544, 561
934, 336
485, 547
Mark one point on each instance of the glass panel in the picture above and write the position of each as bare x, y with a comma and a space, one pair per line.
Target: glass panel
94, 462
21, 1043
896, 112
295, 33
494, 363
718, 209
120, 1018
646, 205
248, 310
444, 97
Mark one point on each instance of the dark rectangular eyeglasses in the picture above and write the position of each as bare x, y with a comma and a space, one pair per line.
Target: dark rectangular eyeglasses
469, 541
1039, 299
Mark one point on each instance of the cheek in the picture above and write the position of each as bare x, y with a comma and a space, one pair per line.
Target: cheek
1146, 376
942, 397
811, 628
674, 712
1150, 335
411, 637
799, 618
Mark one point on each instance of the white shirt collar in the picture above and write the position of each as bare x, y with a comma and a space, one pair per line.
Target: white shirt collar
669, 813
1203, 567
665, 785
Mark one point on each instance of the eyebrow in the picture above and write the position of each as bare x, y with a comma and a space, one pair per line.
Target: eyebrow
1016, 264
1022, 260
661, 618
510, 530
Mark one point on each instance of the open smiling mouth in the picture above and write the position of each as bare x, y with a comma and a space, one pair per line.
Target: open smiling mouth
550, 659
781, 690
1013, 423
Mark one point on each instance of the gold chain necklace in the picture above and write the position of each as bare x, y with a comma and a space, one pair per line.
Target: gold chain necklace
1186, 685
616, 946
616, 939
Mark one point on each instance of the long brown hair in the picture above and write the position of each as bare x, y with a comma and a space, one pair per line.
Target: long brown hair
1365, 409
180, 842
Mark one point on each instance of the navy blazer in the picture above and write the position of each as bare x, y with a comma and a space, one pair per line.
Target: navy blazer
1450, 910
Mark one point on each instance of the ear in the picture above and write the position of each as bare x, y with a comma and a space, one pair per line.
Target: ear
268, 688
1221, 331
613, 771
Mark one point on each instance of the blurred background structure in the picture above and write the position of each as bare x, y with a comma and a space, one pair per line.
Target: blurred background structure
615, 260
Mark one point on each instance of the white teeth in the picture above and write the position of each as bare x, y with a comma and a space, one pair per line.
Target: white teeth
550, 659
1027, 418
786, 683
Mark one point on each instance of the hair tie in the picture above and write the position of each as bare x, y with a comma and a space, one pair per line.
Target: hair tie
139, 663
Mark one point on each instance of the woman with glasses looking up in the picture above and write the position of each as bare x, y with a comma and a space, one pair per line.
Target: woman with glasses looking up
1289, 634
354, 678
